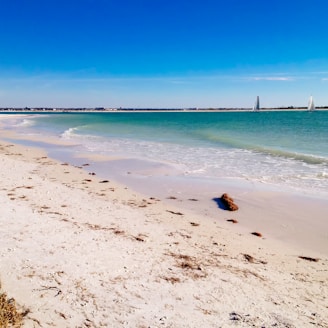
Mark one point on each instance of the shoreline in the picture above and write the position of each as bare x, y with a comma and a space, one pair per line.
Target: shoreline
77, 250
290, 217
163, 110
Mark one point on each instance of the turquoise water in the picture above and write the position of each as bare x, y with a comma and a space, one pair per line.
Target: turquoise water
283, 148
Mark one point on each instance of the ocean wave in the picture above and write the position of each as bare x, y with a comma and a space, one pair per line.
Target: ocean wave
25, 123
69, 133
235, 143
305, 158
91, 142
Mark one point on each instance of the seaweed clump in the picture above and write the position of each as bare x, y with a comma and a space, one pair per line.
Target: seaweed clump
228, 203
10, 316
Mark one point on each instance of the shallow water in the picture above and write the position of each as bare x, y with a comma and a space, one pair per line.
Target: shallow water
284, 149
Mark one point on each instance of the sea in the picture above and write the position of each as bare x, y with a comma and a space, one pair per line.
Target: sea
287, 150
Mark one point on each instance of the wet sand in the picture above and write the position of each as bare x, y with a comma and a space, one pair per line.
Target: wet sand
296, 219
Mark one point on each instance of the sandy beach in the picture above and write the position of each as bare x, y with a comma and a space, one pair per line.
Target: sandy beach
79, 250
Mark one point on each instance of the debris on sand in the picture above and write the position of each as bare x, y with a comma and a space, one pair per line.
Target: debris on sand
307, 258
257, 234
228, 202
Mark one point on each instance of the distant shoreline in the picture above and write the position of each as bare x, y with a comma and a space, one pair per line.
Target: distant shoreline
111, 110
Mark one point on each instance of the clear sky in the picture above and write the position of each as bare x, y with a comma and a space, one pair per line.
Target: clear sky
163, 53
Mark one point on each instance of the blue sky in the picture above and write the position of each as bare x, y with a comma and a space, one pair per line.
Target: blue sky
162, 53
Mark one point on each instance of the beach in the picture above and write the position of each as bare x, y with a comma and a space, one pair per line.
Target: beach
82, 250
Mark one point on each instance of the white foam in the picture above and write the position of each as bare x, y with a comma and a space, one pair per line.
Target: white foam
69, 133
214, 163
25, 123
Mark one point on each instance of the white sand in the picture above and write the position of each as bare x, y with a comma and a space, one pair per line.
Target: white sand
80, 253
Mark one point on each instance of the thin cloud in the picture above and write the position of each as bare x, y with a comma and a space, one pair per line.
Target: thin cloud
270, 78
